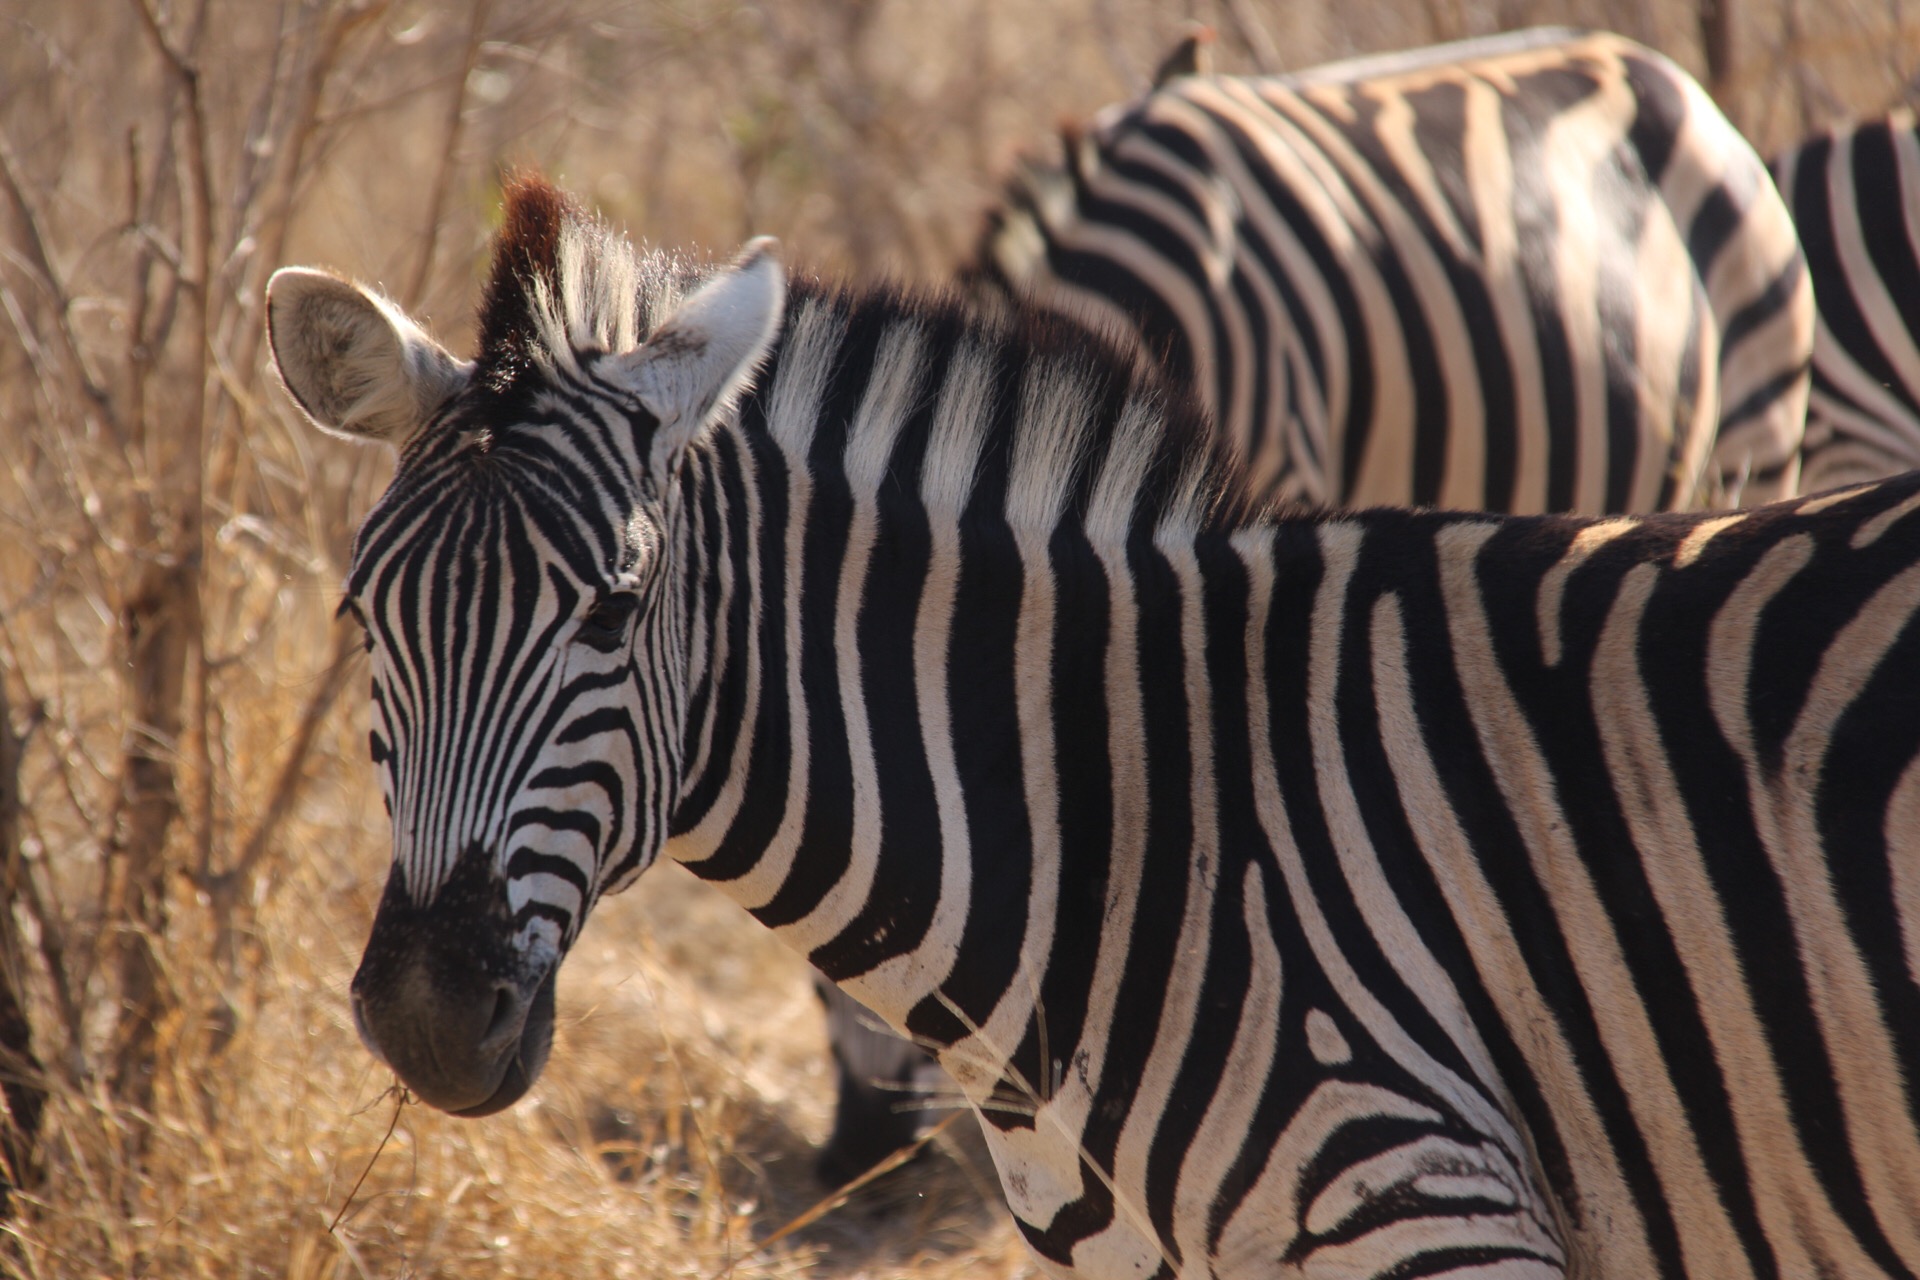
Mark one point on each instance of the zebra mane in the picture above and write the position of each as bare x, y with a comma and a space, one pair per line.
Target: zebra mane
1062, 413
562, 283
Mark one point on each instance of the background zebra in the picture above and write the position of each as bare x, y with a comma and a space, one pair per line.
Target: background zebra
1389, 893
1535, 272
1855, 196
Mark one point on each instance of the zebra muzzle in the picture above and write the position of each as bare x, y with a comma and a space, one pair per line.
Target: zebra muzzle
445, 998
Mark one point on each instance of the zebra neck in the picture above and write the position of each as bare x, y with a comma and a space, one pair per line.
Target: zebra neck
922, 645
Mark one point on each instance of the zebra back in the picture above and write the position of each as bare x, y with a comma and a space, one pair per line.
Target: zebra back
1539, 272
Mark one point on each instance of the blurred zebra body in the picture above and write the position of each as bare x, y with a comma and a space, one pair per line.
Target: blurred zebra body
1537, 272
1855, 196
1383, 894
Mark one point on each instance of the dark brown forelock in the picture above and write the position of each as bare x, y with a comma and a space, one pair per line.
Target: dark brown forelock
528, 248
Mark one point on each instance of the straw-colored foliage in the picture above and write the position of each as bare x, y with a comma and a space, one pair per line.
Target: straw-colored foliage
191, 841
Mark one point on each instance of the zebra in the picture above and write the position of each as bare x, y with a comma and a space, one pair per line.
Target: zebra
1379, 894
1375, 275
1855, 196
1534, 272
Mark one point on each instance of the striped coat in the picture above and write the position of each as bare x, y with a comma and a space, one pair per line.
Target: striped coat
1855, 196
1538, 272
1380, 894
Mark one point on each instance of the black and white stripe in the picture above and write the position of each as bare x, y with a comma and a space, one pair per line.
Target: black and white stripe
1855, 196
1383, 894
1537, 272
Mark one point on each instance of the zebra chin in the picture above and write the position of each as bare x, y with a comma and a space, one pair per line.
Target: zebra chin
446, 998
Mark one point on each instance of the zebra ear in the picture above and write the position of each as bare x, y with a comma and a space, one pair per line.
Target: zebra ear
703, 354
353, 362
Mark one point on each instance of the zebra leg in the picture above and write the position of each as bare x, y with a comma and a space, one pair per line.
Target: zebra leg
885, 1083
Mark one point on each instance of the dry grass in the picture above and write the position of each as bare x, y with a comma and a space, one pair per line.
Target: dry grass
672, 1131
195, 813
674, 1128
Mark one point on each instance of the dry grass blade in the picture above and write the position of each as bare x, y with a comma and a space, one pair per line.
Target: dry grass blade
400, 1100
845, 1192
1001, 1061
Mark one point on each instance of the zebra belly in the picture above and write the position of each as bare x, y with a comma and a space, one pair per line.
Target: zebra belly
1384, 1206
1639, 900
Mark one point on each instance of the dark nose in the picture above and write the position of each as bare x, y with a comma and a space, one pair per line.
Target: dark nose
445, 998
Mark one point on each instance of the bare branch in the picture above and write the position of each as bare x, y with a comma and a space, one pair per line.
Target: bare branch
448, 151
20, 1073
265, 218
230, 888
32, 255
1718, 21
68, 988
1253, 36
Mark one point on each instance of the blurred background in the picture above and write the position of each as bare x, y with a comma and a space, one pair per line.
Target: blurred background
191, 839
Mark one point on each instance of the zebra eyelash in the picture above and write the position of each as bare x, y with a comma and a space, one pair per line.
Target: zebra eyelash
348, 608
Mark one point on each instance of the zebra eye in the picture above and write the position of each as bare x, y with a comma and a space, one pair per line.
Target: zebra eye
605, 625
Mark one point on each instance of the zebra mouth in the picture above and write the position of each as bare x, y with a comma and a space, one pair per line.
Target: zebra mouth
438, 1049
445, 996
528, 1056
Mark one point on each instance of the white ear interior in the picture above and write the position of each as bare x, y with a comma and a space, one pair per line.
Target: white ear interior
706, 351
353, 361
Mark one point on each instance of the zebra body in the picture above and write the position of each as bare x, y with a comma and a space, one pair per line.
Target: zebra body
1538, 272
1503, 275
1855, 196
1384, 894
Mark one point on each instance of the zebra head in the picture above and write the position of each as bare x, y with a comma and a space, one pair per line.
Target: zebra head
512, 583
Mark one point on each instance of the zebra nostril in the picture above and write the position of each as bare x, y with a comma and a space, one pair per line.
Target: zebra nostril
506, 1017
360, 1024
